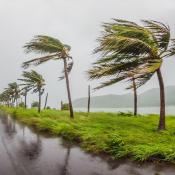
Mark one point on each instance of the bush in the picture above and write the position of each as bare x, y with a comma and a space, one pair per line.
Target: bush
34, 104
65, 106
22, 104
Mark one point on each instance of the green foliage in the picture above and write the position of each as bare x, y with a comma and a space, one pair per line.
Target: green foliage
35, 104
32, 81
130, 50
65, 106
52, 48
22, 105
116, 134
11, 94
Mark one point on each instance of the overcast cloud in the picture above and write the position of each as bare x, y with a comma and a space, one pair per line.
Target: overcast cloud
77, 23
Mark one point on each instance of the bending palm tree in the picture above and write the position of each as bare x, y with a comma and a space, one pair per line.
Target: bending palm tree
5, 98
14, 92
35, 82
116, 72
145, 46
54, 50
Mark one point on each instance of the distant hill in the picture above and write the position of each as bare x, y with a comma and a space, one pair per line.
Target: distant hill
147, 98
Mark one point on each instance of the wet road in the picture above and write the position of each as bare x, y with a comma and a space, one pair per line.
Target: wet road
23, 152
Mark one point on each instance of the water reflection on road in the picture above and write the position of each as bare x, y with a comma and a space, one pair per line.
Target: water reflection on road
24, 152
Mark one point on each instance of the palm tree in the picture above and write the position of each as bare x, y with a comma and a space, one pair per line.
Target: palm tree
53, 50
24, 92
148, 45
14, 92
35, 82
45, 104
116, 72
5, 98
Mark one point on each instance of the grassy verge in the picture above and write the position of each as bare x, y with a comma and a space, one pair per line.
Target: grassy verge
117, 135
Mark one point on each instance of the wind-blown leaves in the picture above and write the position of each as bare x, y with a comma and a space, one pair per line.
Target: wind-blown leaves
11, 94
39, 60
52, 48
161, 33
109, 82
130, 50
171, 50
32, 81
69, 68
44, 44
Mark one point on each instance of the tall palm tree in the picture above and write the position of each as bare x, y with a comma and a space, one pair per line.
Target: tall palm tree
53, 50
149, 44
35, 82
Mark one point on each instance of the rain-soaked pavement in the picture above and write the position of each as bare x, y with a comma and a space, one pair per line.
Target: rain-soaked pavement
24, 152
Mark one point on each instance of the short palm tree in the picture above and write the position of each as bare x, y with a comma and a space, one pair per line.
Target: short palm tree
124, 41
35, 82
14, 92
53, 50
5, 98
24, 92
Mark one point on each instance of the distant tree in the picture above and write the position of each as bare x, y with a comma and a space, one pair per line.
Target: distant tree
64, 106
22, 104
54, 50
13, 92
89, 98
5, 98
24, 92
35, 104
45, 104
34, 81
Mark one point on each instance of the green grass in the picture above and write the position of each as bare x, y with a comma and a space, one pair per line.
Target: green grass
117, 135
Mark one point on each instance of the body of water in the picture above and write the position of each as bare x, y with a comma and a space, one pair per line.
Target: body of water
170, 110
25, 152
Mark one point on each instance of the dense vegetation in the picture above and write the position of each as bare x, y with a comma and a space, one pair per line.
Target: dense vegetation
118, 135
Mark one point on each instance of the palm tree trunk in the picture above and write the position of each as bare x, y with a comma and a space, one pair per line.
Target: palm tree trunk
161, 125
135, 96
46, 101
16, 99
25, 101
39, 104
89, 98
68, 89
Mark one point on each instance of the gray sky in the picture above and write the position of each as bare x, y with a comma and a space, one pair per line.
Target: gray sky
77, 23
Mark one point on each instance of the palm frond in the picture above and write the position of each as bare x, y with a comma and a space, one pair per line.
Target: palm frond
32, 81
44, 44
69, 68
161, 32
39, 60
109, 82
140, 80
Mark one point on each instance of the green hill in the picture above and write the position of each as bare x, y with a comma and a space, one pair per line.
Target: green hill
147, 98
